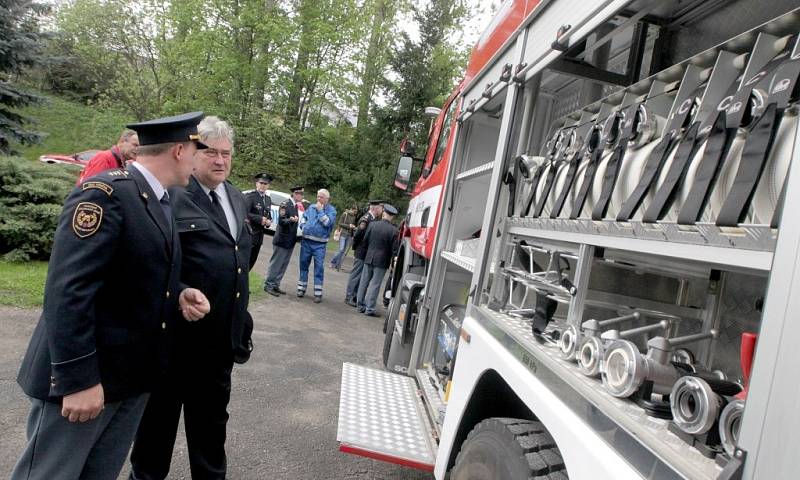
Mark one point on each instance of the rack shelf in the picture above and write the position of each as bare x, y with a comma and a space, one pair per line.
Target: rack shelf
467, 263
475, 172
749, 247
651, 433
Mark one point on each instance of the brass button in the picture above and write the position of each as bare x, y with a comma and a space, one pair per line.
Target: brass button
238, 294
236, 248
163, 325
239, 270
192, 225
167, 293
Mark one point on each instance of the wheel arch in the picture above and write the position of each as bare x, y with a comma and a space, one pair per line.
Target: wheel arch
491, 397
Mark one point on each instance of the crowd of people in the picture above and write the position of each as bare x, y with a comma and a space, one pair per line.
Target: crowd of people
156, 218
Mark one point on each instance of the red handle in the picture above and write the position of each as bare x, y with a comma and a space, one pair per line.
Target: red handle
746, 357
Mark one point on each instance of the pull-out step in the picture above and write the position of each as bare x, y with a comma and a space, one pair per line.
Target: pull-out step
381, 416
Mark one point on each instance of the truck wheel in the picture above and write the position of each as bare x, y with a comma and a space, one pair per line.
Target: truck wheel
509, 449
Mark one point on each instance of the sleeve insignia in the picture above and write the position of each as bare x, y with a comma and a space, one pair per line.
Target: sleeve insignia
87, 219
99, 186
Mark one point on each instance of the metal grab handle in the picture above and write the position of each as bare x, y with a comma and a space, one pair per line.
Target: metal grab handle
662, 325
677, 341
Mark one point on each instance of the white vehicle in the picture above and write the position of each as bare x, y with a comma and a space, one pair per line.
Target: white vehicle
602, 235
277, 198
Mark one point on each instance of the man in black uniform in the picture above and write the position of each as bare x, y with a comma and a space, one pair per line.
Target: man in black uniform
259, 213
284, 241
215, 243
110, 309
360, 249
381, 240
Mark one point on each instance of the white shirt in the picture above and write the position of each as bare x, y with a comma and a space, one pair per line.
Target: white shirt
158, 189
222, 194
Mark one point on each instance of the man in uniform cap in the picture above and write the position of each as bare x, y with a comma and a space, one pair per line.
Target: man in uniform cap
95, 354
360, 249
284, 240
259, 213
381, 240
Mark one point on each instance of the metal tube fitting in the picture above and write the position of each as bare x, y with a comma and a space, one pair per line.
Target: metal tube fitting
572, 338
626, 369
695, 406
590, 356
730, 421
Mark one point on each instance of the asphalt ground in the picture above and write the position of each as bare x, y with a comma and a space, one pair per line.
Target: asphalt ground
285, 400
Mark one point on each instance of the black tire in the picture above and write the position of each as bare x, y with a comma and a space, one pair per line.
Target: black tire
509, 449
388, 335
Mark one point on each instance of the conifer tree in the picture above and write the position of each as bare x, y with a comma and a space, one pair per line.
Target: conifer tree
21, 45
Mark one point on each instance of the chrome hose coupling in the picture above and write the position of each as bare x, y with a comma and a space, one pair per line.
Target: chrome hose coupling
695, 406
730, 422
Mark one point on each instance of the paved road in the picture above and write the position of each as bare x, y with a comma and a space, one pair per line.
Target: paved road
285, 400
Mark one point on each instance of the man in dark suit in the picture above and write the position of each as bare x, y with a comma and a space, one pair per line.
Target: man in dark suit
215, 243
283, 243
360, 249
381, 242
97, 352
259, 213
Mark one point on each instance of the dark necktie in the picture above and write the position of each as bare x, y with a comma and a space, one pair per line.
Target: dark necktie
166, 208
216, 206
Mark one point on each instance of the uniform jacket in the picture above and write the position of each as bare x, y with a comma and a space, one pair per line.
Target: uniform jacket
110, 300
319, 223
286, 231
359, 246
381, 241
102, 161
258, 206
217, 264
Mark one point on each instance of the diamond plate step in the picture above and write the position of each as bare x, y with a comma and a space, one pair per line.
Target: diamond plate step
381, 416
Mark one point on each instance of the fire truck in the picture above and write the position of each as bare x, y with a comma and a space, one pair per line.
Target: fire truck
598, 260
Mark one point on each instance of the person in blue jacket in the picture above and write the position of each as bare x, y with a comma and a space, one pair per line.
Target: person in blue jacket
320, 218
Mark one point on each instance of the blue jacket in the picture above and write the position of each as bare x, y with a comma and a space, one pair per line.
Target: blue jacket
319, 224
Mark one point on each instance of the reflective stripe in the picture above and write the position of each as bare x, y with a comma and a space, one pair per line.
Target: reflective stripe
315, 239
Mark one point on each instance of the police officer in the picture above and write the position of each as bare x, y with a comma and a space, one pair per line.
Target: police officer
259, 213
215, 243
95, 353
284, 240
381, 241
360, 248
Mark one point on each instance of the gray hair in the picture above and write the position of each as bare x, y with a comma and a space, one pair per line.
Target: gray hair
126, 134
324, 193
213, 128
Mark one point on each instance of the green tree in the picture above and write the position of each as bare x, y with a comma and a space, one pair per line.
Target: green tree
21, 44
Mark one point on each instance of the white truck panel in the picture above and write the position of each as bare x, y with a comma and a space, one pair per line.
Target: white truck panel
586, 455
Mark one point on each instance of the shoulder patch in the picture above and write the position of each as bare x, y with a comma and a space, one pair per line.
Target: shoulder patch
106, 188
87, 219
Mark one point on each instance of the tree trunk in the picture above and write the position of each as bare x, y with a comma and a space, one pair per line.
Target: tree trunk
374, 61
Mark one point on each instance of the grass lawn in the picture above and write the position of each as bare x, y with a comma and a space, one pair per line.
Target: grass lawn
22, 284
256, 287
